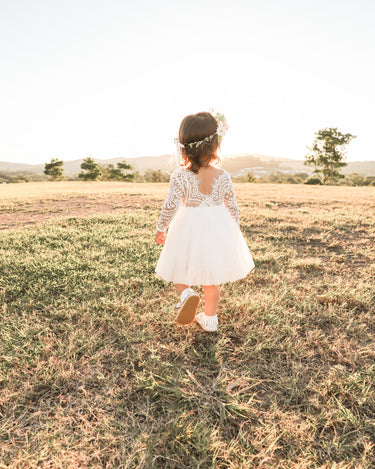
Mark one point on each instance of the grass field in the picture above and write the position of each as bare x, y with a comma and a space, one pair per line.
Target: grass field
94, 373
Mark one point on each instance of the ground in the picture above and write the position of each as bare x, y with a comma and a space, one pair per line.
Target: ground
95, 373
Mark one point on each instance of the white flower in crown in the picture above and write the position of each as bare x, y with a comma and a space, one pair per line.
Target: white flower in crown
221, 130
222, 125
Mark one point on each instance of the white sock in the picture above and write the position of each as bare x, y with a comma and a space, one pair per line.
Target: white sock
186, 290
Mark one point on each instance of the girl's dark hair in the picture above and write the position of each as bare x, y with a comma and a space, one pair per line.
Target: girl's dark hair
194, 128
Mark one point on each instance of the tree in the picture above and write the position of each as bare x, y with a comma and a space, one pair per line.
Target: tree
118, 174
93, 170
370, 181
105, 171
54, 169
313, 180
327, 154
355, 179
250, 177
152, 175
20, 178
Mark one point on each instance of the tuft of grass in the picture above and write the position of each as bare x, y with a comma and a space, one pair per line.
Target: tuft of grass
95, 373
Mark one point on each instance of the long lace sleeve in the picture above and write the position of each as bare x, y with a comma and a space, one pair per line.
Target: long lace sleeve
172, 202
230, 200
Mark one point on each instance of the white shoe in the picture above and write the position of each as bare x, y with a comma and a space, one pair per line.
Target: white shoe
207, 323
188, 306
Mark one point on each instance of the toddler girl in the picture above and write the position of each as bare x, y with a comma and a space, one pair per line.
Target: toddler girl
204, 245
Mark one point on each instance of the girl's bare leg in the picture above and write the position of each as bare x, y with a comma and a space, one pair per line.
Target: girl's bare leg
211, 298
180, 287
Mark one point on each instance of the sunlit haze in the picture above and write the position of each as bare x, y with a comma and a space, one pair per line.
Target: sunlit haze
114, 78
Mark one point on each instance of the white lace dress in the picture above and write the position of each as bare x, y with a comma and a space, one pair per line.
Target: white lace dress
204, 244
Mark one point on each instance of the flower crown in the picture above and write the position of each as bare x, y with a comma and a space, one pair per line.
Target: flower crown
221, 130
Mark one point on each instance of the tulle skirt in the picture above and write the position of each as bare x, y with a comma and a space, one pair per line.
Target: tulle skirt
204, 246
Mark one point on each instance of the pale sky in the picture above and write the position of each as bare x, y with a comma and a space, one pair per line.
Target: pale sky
114, 78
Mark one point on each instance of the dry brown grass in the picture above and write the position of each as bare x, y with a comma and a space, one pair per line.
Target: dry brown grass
95, 373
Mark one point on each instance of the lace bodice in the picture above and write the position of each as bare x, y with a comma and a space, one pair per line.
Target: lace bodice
184, 190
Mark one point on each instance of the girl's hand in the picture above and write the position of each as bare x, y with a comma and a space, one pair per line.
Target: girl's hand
160, 237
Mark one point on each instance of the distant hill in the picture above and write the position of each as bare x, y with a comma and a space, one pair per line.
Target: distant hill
235, 164
261, 164
6, 167
73, 167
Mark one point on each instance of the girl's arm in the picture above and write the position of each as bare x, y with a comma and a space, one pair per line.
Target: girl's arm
171, 204
230, 200
160, 237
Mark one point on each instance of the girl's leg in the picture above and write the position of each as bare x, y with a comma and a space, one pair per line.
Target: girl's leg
180, 287
211, 298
